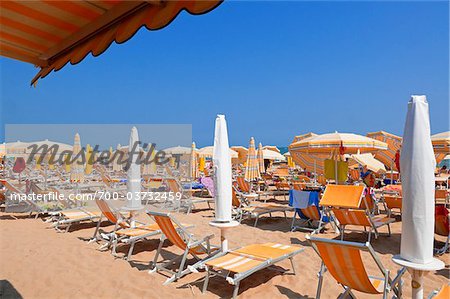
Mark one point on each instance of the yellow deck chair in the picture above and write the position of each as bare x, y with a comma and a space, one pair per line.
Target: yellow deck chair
344, 262
178, 235
351, 207
122, 231
235, 265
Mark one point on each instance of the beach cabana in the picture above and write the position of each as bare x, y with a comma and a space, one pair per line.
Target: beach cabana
51, 34
242, 154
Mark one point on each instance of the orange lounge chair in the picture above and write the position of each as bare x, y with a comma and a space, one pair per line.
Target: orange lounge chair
344, 262
441, 196
235, 265
177, 234
351, 207
393, 202
443, 293
442, 226
122, 232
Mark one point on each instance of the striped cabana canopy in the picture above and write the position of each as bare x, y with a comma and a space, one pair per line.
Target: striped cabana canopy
335, 142
306, 160
50, 34
394, 142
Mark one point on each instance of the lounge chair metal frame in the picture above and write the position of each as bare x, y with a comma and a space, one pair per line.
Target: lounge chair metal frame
354, 210
389, 284
189, 242
186, 199
121, 226
245, 208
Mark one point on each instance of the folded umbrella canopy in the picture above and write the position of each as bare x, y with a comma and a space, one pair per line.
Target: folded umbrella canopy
252, 168
194, 162
50, 34
77, 162
262, 168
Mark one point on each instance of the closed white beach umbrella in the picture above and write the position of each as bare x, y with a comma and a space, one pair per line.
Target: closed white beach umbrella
222, 171
77, 165
417, 164
133, 175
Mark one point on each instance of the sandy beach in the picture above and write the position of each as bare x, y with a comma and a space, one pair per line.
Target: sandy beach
38, 262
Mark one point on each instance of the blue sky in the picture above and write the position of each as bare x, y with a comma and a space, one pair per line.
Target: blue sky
275, 69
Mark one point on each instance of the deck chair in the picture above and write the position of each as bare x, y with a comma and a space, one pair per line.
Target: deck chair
393, 202
350, 206
442, 227
344, 262
177, 234
186, 200
243, 208
122, 232
67, 218
441, 196
236, 265
443, 293
309, 211
246, 190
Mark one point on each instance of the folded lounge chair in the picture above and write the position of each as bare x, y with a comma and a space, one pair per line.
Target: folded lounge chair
177, 234
344, 262
351, 207
235, 265
244, 208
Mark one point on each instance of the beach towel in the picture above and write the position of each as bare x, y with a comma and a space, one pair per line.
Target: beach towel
299, 199
209, 184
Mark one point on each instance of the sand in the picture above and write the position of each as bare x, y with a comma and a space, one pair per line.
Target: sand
38, 262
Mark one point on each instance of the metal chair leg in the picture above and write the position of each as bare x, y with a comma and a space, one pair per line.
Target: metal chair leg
205, 284
236, 290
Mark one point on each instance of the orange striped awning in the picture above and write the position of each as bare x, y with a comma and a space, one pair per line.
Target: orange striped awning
394, 142
50, 34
